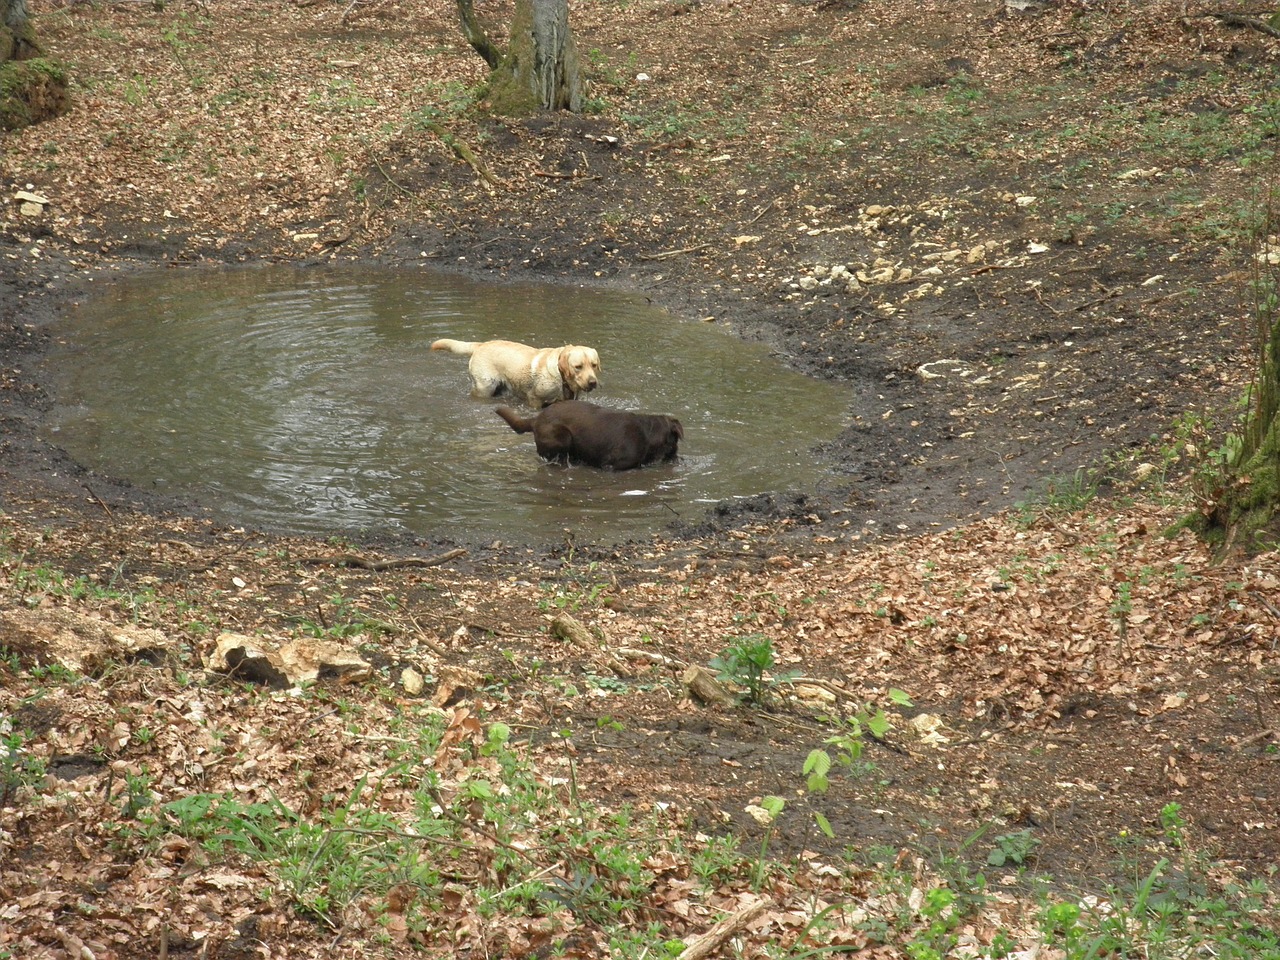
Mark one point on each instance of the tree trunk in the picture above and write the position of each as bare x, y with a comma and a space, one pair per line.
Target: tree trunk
31, 88
1251, 503
1246, 512
16, 39
476, 36
539, 70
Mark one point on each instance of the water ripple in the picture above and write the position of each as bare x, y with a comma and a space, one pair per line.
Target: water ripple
310, 401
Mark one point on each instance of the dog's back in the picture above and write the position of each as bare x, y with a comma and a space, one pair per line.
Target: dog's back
537, 375
580, 432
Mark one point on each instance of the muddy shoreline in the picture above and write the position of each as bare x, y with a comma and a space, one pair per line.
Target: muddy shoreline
880, 481
996, 325
906, 470
35, 468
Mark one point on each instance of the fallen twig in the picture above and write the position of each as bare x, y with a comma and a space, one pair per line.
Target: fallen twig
824, 684
551, 175
649, 655
102, 503
1255, 737
666, 254
465, 153
348, 11
425, 639
1271, 608
386, 176
571, 631
767, 208
1111, 295
995, 266
715, 938
1242, 20
364, 563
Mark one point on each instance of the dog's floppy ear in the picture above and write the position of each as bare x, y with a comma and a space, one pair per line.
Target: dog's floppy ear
677, 427
595, 358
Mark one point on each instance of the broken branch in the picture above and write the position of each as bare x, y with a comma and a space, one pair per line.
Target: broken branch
364, 563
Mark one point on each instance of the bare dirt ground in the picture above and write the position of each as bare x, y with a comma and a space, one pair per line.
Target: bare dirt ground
1016, 237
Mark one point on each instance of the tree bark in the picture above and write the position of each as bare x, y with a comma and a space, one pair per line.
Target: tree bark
555, 56
1252, 502
1245, 511
17, 42
476, 36
539, 69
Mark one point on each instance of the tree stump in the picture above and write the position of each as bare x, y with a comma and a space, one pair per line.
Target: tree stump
32, 88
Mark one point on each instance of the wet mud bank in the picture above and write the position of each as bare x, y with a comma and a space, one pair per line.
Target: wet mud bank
964, 410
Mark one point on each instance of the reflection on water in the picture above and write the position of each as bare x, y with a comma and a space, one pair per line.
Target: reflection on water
309, 400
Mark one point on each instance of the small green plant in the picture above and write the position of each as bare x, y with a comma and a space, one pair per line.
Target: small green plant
1060, 927
745, 662
1189, 448
443, 101
1173, 825
1122, 606
178, 36
340, 620
496, 739
969, 885
937, 938
718, 858
19, 770
1059, 495
342, 96
648, 943
849, 742
137, 795
54, 673
607, 684
138, 91
1017, 848
572, 599
772, 807
848, 745
356, 847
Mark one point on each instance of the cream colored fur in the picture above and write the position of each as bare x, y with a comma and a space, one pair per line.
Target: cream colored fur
539, 376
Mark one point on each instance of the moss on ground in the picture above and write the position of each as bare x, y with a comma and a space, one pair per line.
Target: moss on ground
31, 91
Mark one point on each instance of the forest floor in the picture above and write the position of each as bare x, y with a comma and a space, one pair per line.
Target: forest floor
1020, 239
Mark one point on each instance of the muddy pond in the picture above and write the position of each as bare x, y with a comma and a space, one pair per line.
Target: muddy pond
309, 401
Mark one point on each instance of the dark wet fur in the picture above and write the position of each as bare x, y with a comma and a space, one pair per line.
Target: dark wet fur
574, 431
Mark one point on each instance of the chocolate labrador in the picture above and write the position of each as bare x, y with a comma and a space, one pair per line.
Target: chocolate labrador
574, 431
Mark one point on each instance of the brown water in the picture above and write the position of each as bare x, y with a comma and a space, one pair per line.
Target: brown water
309, 401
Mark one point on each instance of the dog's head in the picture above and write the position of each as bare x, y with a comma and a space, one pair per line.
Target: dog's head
579, 369
665, 439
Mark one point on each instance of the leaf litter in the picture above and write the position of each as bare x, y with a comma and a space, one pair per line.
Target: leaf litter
1070, 677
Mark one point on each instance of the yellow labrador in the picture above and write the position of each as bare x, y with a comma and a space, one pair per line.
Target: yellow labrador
538, 376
